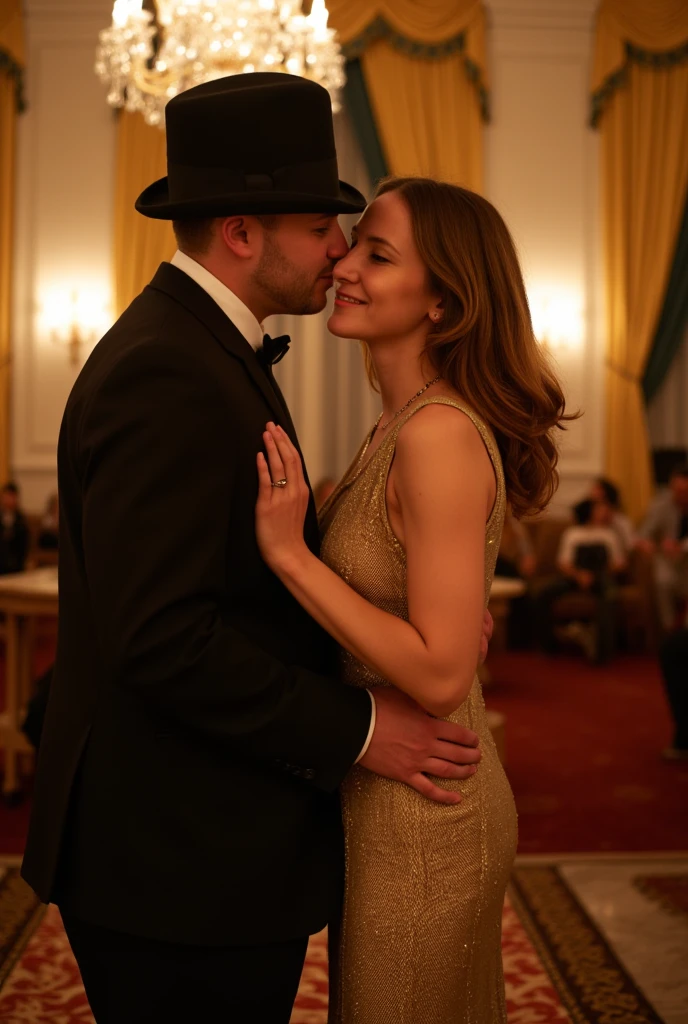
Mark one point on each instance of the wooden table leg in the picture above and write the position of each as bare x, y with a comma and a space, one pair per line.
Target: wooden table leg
27, 643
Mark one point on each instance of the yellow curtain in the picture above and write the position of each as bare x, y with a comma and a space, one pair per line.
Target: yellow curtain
657, 27
642, 108
141, 244
424, 21
11, 68
423, 62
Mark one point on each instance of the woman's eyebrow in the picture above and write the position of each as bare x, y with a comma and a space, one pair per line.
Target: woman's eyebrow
378, 239
383, 241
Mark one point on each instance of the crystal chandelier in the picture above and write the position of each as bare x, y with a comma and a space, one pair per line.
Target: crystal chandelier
146, 59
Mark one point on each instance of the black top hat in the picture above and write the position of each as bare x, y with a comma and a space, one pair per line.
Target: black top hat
250, 143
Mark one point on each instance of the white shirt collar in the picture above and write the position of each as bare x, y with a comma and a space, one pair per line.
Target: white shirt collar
230, 304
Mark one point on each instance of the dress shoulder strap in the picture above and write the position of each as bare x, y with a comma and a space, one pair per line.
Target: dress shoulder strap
485, 432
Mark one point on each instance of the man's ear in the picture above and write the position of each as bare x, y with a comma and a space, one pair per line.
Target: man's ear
240, 235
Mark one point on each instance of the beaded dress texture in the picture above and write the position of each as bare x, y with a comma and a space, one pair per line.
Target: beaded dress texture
420, 936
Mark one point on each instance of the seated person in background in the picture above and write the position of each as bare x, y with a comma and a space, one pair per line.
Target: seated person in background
590, 558
604, 490
664, 535
673, 657
14, 531
47, 538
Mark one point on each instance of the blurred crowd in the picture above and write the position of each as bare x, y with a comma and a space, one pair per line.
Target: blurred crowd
606, 571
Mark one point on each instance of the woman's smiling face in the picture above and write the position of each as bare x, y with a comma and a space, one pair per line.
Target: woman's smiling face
382, 286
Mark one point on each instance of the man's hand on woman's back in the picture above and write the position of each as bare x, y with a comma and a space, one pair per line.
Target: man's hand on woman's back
408, 745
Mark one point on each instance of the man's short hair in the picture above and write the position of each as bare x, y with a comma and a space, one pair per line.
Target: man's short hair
10, 488
680, 470
194, 236
268, 220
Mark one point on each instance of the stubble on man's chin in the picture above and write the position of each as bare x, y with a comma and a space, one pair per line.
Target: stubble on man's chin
287, 288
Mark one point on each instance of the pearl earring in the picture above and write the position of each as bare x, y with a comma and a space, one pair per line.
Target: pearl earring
436, 317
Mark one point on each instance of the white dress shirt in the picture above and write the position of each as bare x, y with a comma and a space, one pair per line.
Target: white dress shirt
230, 304
246, 323
576, 536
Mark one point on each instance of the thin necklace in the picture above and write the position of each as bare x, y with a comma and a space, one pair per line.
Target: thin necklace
425, 387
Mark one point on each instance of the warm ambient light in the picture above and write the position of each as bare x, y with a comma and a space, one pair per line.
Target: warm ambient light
74, 318
557, 316
147, 57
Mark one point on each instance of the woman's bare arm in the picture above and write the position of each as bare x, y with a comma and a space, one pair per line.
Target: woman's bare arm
444, 483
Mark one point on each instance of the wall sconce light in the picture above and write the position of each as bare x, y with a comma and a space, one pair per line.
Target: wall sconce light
74, 319
557, 316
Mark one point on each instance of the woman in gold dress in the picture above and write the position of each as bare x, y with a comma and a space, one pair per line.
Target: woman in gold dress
410, 536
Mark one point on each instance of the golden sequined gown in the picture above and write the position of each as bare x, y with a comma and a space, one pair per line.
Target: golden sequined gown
420, 938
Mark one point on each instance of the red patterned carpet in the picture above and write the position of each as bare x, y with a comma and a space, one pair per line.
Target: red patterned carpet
583, 754
45, 988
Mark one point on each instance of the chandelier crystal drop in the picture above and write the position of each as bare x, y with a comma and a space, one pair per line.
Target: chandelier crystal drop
145, 60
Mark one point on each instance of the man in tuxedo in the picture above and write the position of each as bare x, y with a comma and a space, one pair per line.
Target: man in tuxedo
186, 818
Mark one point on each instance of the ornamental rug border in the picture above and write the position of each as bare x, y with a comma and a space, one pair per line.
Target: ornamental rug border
21, 913
591, 982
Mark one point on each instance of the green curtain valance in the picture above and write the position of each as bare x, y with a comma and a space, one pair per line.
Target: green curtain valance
10, 66
380, 28
636, 55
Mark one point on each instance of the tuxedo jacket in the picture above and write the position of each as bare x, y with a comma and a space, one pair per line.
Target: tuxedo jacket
195, 736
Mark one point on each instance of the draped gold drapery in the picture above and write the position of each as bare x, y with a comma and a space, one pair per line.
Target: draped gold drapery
141, 244
640, 100
423, 62
11, 70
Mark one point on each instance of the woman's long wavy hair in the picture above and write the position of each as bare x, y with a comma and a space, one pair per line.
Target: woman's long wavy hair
485, 347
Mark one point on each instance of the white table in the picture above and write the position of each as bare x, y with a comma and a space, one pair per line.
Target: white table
23, 597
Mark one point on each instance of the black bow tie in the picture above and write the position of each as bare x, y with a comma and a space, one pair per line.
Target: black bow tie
273, 349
